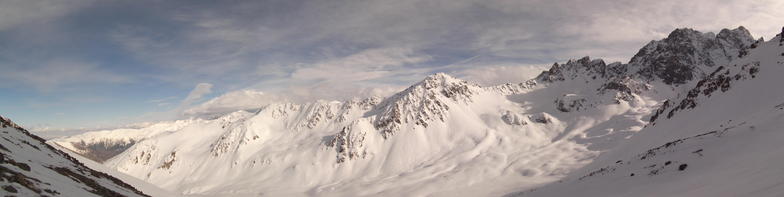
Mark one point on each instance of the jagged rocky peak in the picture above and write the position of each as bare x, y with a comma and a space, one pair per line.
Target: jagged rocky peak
583, 67
444, 83
781, 36
438, 85
687, 54
739, 37
423, 102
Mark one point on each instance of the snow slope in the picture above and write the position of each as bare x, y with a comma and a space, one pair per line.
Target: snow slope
30, 167
141, 185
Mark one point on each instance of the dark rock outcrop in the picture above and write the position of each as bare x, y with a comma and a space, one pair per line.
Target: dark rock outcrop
687, 54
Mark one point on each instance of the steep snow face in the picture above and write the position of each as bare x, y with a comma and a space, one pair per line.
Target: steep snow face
30, 167
720, 138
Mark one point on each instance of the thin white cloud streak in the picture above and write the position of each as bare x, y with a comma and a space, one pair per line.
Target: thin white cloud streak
364, 65
500, 74
57, 73
194, 99
197, 93
362, 74
233, 101
22, 12
355, 75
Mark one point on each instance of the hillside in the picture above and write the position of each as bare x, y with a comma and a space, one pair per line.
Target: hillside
30, 167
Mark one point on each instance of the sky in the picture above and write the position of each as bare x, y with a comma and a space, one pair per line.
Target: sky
85, 64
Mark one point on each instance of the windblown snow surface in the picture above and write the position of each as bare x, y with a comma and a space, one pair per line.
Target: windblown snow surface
694, 114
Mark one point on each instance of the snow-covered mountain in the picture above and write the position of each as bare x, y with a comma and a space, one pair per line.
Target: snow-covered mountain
30, 167
677, 113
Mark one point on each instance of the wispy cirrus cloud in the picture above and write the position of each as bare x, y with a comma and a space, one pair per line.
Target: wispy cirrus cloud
59, 73
197, 93
233, 101
23, 12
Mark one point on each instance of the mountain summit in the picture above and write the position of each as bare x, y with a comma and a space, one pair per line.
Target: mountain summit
423, 102
687, 54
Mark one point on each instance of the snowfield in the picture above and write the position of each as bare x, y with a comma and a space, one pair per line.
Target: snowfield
694, 114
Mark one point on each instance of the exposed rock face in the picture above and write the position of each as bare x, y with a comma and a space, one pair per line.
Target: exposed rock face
781, 36
683, 56
687, 54
30, 167
317, 113
349, 144
169, 161
626, 87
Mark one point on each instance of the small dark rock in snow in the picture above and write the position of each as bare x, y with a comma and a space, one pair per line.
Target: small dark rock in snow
682, 167
9, 189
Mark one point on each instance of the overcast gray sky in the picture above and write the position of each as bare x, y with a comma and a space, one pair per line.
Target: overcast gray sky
84, 63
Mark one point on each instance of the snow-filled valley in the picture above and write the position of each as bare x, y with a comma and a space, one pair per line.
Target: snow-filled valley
694, 114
